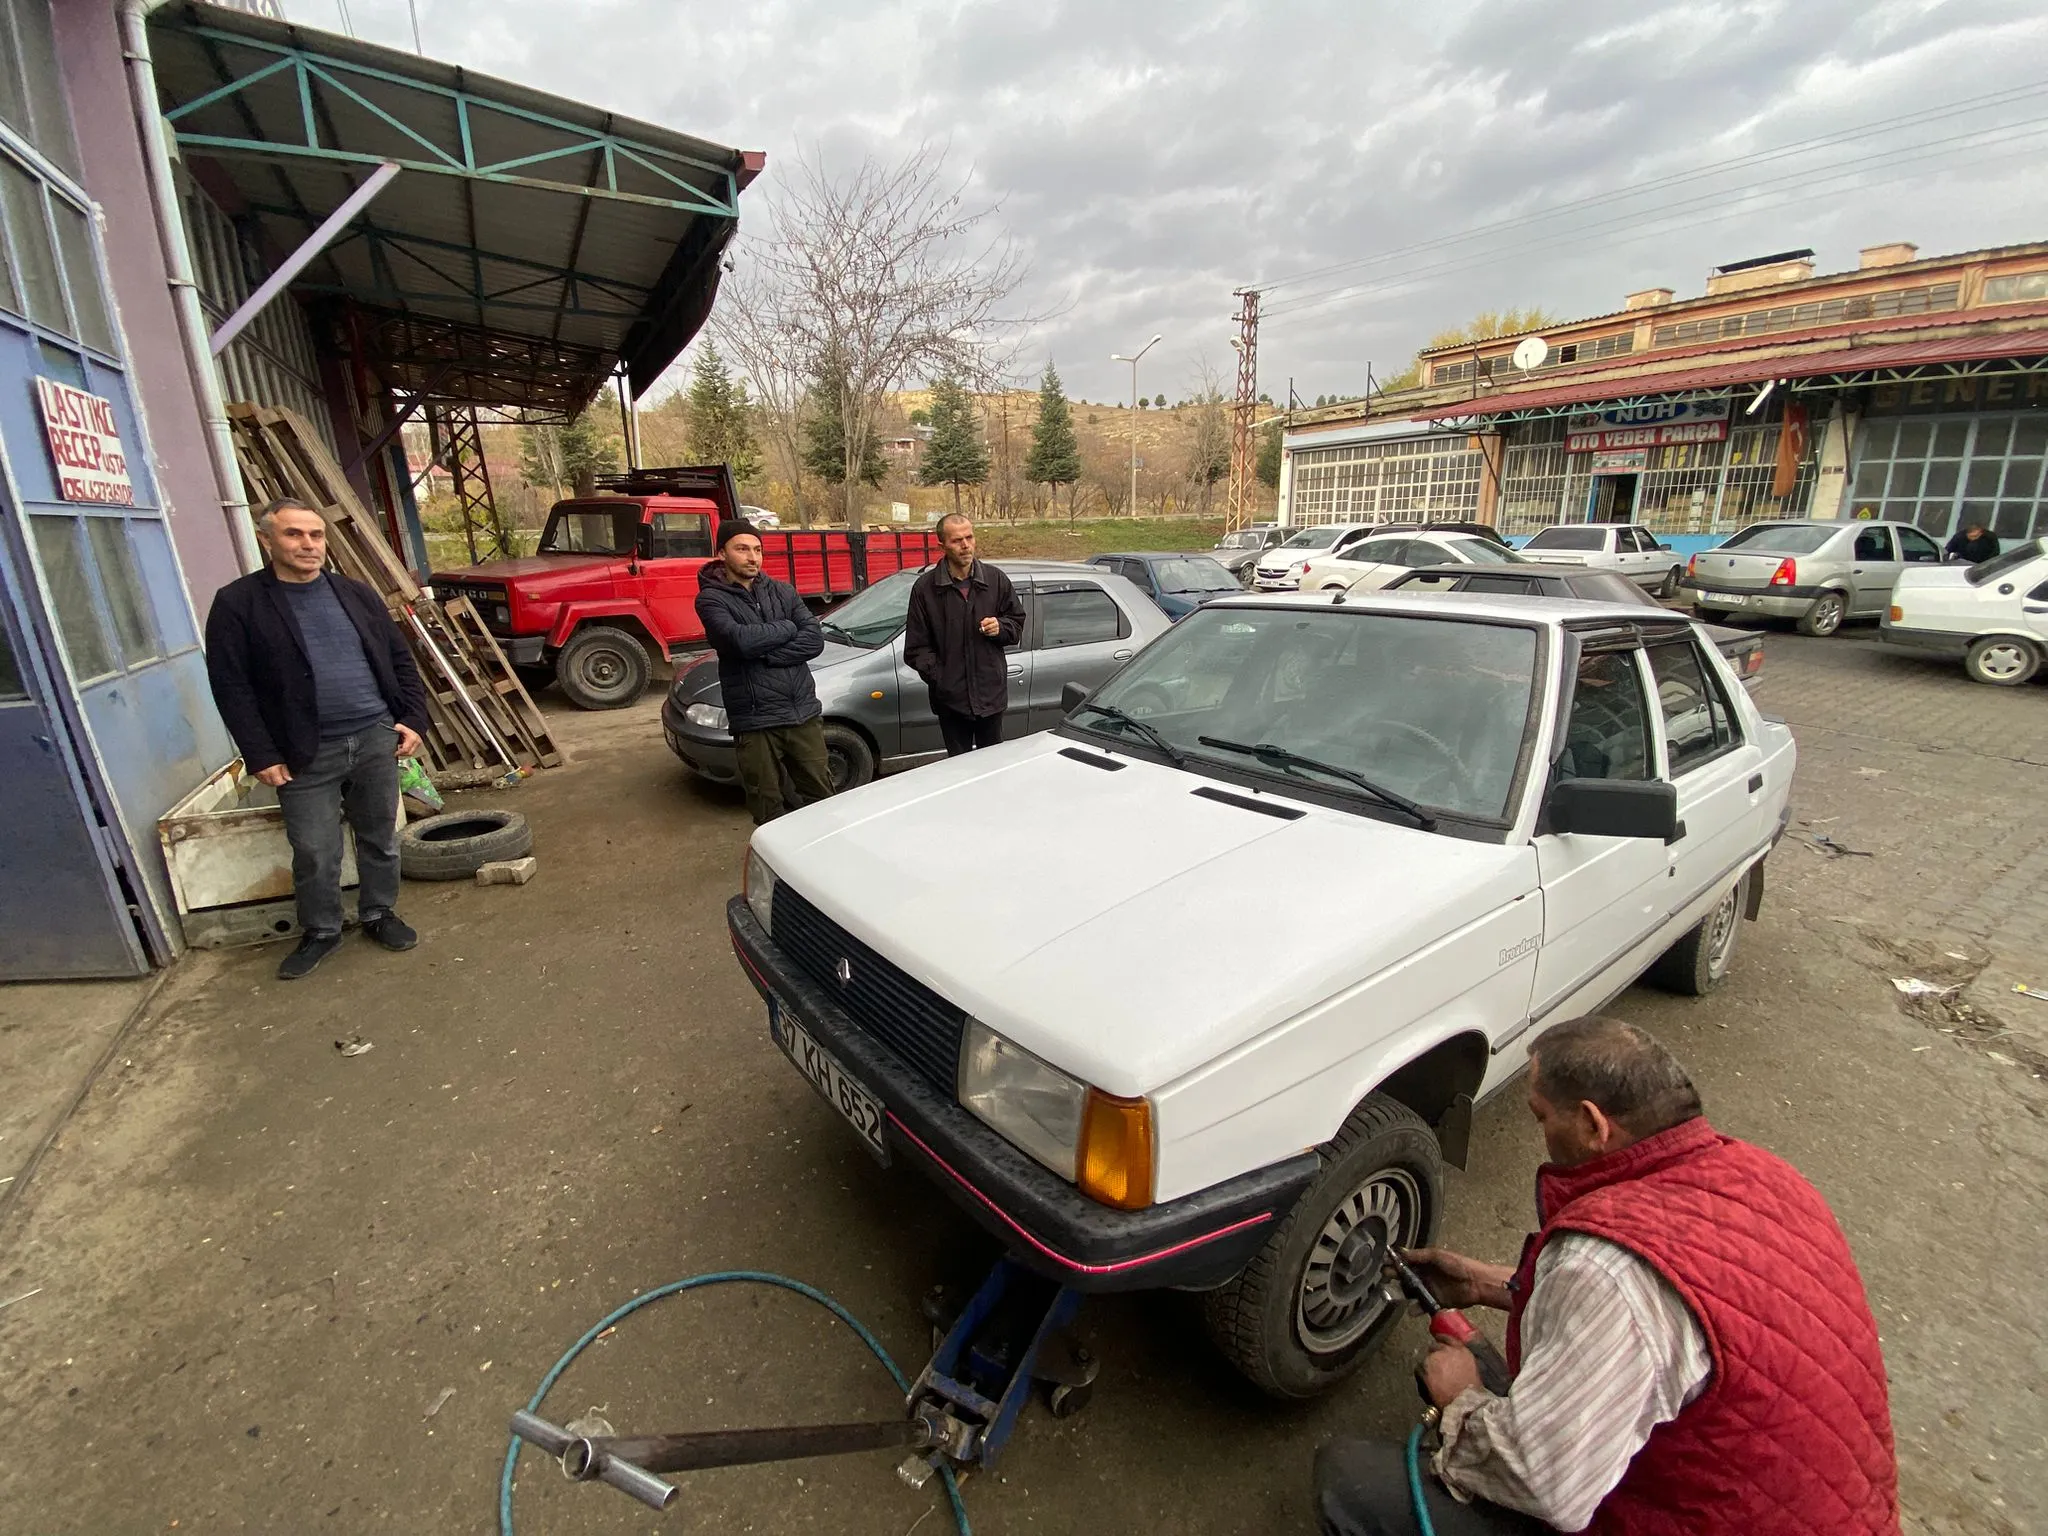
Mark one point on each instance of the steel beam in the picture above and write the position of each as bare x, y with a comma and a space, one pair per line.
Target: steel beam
301, 258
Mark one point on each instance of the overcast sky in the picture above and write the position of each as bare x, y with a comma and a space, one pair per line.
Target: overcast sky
1153, 155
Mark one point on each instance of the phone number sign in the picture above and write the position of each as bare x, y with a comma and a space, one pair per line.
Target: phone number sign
85, 444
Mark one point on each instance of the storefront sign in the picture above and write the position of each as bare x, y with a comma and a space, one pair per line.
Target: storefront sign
1655, 424
85, 443
1629, 461
1646, 437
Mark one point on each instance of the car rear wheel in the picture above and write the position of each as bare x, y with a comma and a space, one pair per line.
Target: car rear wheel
1825, 616
1669, 586
2004, 661
1312, 1304
1699, 962
602, 667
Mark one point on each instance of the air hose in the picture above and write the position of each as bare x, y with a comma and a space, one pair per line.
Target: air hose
741, 1277
1422, 1521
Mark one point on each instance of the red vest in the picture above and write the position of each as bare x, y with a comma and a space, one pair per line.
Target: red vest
1792, 1435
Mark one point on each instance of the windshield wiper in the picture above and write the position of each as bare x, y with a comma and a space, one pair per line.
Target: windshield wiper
833, 629
1287, 759
1178, 757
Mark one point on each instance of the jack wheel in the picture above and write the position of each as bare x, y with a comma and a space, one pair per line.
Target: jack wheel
1066, 1401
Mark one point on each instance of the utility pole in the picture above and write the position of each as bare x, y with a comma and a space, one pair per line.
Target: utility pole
1118, 357
1246, 343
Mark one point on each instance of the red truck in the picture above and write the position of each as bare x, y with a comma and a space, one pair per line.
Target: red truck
613, 584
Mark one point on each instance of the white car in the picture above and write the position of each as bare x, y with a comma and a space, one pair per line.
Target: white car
1632, 551
1371, 563
760, 517
1279, 568
1464, 817
1992, 616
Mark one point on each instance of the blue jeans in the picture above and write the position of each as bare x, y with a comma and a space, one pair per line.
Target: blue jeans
357, 777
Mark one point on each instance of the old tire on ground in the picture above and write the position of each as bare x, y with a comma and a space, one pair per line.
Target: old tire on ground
2004, 661
602, 667
1824, 615
849, 756
1310, 1306
1699, 962
456, 844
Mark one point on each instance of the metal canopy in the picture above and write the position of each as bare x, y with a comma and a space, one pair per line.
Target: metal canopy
529, 245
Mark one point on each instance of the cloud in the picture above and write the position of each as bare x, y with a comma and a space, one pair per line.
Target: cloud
1151, 157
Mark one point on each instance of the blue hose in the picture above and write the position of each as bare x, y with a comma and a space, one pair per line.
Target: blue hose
749, 1277
1422, 1520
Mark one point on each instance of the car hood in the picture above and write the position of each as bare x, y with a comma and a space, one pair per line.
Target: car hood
1080, 912
527, 568
697, 681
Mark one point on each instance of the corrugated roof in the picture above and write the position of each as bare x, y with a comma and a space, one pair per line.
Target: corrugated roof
529, 245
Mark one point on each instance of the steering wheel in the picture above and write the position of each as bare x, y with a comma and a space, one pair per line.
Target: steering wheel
1448, 765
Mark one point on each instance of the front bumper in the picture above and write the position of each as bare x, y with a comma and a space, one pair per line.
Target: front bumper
1929, 642
1195, 1243
702, 750
1289, 581
523, 650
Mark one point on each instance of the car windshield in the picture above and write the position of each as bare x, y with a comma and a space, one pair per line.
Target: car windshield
1434, 709
1569, 538
2012, 559
1313, 538
1248, 539
876, 616
588, 530
1483, 552
1193, 575
1783, 538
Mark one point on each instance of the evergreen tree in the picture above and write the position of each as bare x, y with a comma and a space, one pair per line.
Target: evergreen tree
955, 455
1267, 465
1160, 400
718, 417
1055, 456
825, 437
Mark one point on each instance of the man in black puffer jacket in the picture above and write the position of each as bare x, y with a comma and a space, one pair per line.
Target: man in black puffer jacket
765, 637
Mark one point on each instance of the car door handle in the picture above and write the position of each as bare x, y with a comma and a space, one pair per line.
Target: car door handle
1123, 655
1756, 782
1016, 671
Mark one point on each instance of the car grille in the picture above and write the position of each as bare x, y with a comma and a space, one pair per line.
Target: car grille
906, 1016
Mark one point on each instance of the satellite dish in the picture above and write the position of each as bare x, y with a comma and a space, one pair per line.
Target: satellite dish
1531, 352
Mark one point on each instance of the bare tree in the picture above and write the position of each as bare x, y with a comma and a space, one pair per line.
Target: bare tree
752, 322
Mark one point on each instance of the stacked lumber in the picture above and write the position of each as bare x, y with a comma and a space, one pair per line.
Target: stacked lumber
480, 712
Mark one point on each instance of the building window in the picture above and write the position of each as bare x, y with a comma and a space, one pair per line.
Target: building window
2016, 288
1787, 317
71, 599
1942, 473
1421, 477
1498, 368
31, 93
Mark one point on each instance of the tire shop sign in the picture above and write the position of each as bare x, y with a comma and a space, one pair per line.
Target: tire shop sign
85, 445
1658, 424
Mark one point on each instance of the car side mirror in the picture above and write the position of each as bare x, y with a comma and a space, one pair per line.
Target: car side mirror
1072, 697
1665, 547
1615, 808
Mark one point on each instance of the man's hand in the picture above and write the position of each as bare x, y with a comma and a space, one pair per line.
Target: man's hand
276, 775
1457, 1281
408, 742
1448, 1370
991, 628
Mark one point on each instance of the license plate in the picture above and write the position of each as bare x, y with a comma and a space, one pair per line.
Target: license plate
839, 1088
1732, 599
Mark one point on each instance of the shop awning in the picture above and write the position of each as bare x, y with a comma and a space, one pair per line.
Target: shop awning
1844, 365
528, 246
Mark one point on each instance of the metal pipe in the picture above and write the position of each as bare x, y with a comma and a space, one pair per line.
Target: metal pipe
301, 257
622, 1475
177, 256
703, 1449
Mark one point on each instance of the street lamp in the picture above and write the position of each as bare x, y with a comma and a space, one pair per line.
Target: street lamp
1118, 357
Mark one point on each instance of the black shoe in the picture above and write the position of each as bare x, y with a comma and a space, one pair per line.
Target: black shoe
391, 931
313, 948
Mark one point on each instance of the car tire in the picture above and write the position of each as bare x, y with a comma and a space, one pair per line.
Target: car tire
1668, 588
1824, 615
1699, 962
2004, 661
850, 758
602, 667
1319, 1272
456, 844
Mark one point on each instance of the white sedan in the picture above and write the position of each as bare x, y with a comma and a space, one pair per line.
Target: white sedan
1621, 547
1372, 563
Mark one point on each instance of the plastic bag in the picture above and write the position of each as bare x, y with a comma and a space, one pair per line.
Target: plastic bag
415, 785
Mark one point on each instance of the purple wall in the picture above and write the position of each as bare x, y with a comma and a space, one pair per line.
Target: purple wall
89, 54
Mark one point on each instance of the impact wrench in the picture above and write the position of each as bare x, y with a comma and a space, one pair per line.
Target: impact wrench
1450, 1325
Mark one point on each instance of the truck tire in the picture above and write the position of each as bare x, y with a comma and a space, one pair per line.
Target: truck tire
456, 845
602, 667
1824, 614
2004, 661
849, 756
1699, 962
1310, 1306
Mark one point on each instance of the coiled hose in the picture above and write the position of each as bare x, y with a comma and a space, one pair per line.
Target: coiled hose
695, 1282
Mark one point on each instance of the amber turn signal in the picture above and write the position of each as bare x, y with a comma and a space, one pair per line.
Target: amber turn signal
1116, 1151
1898, 613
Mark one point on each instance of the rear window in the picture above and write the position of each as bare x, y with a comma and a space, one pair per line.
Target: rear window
2011, 560
1783, 538
1569, 538
1483, 552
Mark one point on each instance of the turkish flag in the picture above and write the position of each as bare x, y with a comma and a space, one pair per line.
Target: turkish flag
1791, 450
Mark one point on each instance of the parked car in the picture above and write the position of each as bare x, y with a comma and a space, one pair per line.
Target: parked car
1447, 525
1993, 617
760, 517
1742, 648
1372, 563
1821, 573
1622, 547
613, 584
1178, 583
1238, 552
1497, 814
1082, 623
1279, 568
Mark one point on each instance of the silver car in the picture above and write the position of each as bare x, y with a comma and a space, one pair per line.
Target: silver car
1082, 623
1821, 573
1238, 552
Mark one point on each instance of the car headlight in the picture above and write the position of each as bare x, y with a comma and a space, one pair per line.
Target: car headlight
1093, 1139
757, 884
710, 716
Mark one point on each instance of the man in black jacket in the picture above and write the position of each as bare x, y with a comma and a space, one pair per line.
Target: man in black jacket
963, 614
1974, 545
317, 687
765, 636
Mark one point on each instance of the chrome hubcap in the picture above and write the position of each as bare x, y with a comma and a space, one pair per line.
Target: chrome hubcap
2001, 661
1342, 1294
1721, 932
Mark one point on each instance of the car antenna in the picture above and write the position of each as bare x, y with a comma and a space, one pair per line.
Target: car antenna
1338, 594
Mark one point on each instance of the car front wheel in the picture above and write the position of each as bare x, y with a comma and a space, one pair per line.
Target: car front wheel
1312, 1304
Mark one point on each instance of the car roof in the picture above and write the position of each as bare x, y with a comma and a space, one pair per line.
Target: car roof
1549, 611
1033, 567
1152, 554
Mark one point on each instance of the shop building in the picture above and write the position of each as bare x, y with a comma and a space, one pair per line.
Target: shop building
1911, 387
203, 204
